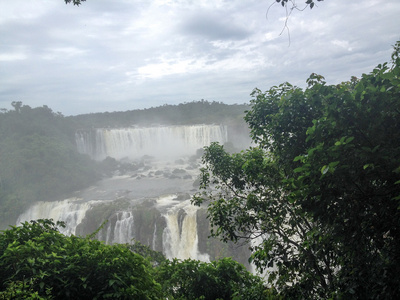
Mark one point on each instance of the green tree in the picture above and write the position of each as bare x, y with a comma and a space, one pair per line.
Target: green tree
249, 203
50, 264
321, 190
221, 279
154, 257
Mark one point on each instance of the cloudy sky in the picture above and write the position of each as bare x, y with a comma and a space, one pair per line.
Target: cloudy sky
116, 55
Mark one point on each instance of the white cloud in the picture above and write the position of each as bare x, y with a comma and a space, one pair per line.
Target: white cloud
342, 44
23, 11
168, 67
62, 53
12, 56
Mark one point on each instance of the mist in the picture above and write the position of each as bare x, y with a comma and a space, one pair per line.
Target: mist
136, 170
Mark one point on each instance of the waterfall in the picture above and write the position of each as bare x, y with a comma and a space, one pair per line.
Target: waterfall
121, 228
154, 241
161, 141
180, 238
71, 211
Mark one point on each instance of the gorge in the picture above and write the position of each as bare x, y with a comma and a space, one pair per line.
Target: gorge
149, 199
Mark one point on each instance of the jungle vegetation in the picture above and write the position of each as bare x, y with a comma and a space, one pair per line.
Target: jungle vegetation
38, 262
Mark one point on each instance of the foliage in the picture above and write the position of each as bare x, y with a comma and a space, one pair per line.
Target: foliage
154, 257
251, 205
321, 191
23, 290
71, 267
38, 262
221, 279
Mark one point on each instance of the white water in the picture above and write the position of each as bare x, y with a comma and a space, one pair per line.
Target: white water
161, 141
71, 211
180, 238
123, 230
153, 244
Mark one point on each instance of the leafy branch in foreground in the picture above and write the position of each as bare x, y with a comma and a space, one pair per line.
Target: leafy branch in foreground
249, 203
221, 279
38, 262
318, 198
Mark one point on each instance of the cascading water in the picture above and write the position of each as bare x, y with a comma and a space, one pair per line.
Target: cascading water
71, 211
121, 231
150, 203
180, 237
161, 141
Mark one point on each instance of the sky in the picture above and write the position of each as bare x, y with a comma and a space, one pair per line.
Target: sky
118, 55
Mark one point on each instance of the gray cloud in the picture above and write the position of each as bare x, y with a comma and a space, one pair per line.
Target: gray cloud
119, 55
213, 26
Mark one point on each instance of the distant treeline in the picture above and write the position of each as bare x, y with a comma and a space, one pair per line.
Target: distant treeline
38, 155
197, 112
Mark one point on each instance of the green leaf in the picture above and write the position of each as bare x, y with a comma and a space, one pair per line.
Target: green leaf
297, 158
300, 169
324, 169
333, 164
311, 151
111, 282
